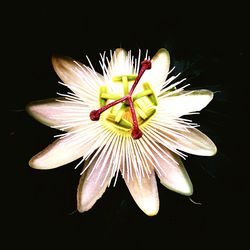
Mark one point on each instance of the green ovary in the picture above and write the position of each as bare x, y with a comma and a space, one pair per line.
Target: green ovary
118, 118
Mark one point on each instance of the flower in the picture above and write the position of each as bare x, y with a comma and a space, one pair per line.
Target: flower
129, 120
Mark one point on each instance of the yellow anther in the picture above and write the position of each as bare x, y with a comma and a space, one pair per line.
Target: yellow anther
141, 94
125, 124
144, 108
152, 95
122, 124
125, 85
102, 101
124, 79
140, 112
110, 96
150, 112
119, 78
118, 115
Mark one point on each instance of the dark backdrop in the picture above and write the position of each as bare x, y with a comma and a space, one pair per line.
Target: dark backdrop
207, 43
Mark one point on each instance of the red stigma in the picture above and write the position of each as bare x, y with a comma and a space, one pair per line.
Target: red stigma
94, 115
147, 64
136, 133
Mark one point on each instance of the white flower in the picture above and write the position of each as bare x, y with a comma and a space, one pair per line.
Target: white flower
127, 120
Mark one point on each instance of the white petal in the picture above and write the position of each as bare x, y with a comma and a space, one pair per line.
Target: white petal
173, 174
52, 112
119, 63
186, 102
195, 142
64, 150
157, 75
92, 185
82, 80
145, 193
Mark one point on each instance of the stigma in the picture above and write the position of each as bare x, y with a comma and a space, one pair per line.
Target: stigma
129, 111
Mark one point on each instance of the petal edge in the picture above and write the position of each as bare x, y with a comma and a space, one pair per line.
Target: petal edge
174, 175
195, 142
186, 102
92, 185
145, 193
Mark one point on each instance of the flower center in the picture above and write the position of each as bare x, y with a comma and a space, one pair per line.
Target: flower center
127, 113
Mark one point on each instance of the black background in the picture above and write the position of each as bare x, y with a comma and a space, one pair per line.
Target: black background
207, 42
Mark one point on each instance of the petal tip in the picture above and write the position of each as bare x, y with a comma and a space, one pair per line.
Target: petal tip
120, 52
210, 95
188, 190
213, 150
149, 204
82, 209
30, 108
39, 110
56, 59
210, 150
164, 56
61, 64
34, 163
83, 204
40, 162
204, 97
183, 188
150, 208
164, 51
33, 109
151, 212
89, 191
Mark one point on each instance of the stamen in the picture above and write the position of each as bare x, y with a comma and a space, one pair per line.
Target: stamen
136, 132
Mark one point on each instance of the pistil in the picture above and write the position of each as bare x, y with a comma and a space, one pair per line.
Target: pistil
136, 132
